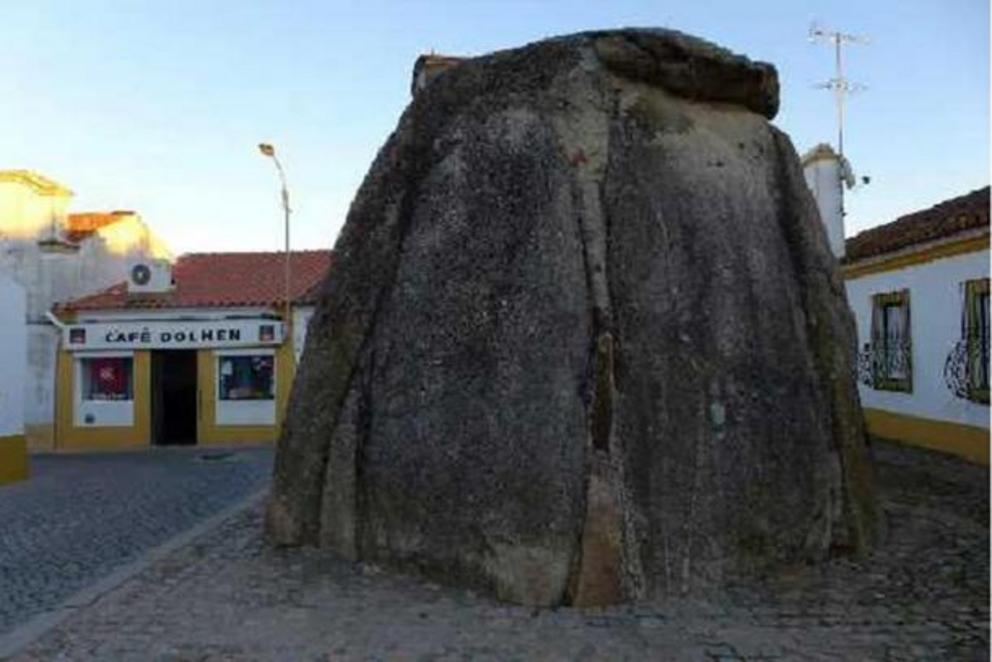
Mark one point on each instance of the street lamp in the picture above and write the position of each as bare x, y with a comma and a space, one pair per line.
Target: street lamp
268, 150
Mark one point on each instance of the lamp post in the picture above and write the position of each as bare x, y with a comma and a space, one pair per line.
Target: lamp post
268, 150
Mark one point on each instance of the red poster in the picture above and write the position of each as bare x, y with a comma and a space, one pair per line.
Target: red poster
109, 376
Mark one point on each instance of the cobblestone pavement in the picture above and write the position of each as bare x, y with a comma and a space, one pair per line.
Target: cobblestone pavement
81, 516
924, 594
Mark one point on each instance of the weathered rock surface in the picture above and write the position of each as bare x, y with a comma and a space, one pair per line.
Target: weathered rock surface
584, 339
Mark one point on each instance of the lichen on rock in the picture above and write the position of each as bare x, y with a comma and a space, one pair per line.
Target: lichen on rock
584, 340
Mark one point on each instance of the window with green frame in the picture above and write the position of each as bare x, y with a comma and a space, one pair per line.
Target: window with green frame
892, 365
977, 334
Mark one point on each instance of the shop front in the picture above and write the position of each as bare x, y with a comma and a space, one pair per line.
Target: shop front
134, 383
198, 352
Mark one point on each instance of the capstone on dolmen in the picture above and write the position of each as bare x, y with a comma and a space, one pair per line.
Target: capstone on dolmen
584, 340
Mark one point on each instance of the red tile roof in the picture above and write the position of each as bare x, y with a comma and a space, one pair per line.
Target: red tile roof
221, 280
966, 212
82, 225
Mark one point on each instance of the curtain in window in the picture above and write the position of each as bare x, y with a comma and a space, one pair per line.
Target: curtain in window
877, 338
896, 337
977, 308
890, 341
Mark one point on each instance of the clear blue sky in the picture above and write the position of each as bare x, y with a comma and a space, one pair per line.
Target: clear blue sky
157, 106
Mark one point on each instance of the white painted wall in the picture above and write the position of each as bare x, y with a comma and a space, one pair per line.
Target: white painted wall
94, 413
301, 320
39, 386
936, 297
46, 278
204, 314
27, 215
824, 178
106, 257
245, 412
13, 356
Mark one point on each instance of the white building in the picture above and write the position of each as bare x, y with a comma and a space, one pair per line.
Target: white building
13, 346
919, 289
56, 255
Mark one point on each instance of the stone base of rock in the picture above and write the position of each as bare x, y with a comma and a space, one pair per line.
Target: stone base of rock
922, 596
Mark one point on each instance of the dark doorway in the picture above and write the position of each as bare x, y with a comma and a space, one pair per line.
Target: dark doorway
174, 398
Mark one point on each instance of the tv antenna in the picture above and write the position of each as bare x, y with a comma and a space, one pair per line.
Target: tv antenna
839, 85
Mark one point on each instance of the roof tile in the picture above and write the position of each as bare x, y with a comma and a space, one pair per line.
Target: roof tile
945, 219
221, 280
81, 225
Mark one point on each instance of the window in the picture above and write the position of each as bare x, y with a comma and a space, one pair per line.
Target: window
247, 377
977, 334
892, 368
106, 378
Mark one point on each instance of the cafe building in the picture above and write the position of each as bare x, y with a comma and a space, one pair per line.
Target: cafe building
201, 352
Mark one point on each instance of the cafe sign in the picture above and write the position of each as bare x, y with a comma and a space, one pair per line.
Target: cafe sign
194, 334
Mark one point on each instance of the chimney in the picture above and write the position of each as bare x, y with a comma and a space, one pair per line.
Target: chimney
826, 174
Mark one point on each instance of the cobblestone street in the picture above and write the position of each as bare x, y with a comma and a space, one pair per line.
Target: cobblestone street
81, 516
924, 594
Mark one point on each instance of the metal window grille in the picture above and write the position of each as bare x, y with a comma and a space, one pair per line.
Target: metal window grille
966, 369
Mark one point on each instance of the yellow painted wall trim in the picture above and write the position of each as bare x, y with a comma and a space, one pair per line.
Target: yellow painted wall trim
967, 441
13, 458
40, 436
902, 260
229, 435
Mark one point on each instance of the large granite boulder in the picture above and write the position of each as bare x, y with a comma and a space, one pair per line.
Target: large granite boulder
584, 340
